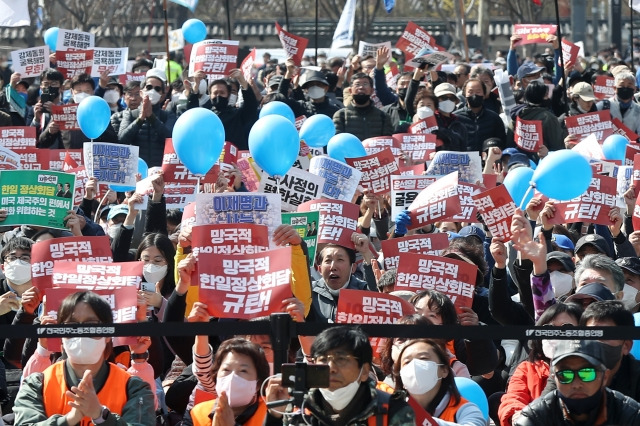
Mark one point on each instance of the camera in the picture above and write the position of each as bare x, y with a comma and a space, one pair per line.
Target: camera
305, 376
49, 94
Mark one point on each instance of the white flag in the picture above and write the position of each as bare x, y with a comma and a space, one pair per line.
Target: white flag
635, 5
344, 31
14, 13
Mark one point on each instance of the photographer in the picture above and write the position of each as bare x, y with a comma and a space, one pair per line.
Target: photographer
39, 117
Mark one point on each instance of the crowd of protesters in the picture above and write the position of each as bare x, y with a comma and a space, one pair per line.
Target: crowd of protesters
566, 275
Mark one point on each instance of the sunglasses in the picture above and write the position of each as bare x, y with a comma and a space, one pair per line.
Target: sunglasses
587, 374
156, 88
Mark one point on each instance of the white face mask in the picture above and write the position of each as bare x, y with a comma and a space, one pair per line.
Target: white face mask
153, 96
629, 296
233, 99
18, 272
79, 97
549, 347
340, 398
539, 79
113, 230
447, 106
562, 283
111, 96
202, 87
240, 391
419, 376
154, 273
84, 350
316, 92
424, 112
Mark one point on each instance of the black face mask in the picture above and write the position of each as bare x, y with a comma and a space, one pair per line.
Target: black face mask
361, 98
220, 102
475, 101
402, 93
582, 405
625, 93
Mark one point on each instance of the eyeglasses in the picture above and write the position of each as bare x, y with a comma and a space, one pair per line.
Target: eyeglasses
340, 360
24, 258
156, 88
361, 86
132, 95
587, 374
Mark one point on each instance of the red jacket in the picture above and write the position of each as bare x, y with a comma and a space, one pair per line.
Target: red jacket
525, 385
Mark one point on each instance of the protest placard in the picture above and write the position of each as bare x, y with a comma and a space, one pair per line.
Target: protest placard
82, 176
430, 56
371, 49
391, 76
306, 225
236, 238
590, 148
631, 150
623, 175
338, 220
293, 45
414, 170
635, 177
592, 206
130, 76
250, 173
111, 163
216, 58
620, 129
245, 286
376, 170
432, 243
65, 116
528, 134
109, 59
82, 249
597, 123
505, 91
437, 201
74, 40
533, 33
296, 187
468, 210
9, 160
97, 275
30, 62
176, 40
496, 208
405, 188
604, 87
413, 39
379, 143
467, 164
341, 180
453, 277
569, 52
16, 101
35, 159
40, 198
74, 62
417, 146
58, 157
18, 137
426, 125
258, 208
247, 65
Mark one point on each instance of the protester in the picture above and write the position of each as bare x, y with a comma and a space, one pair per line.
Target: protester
622, 105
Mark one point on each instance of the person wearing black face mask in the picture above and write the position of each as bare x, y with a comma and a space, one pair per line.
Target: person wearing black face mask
578, 368
480, 122
400, 117
623, 106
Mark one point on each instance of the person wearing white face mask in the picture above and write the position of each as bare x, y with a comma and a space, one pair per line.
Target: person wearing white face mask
423, 372
315, 84
351, 396
110, 89
84, 388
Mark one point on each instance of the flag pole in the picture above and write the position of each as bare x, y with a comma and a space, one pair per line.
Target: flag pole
563, 81
228, 19
316, 60
166, 42
633, 68
286, 15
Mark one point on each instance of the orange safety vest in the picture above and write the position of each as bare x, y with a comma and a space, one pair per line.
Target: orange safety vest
449, 413
113, 394
200, 414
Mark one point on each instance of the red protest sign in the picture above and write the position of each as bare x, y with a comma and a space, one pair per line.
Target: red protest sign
245, 286
590, 148
293, 45
426, 125
189, 214
249, 174
636, 213
599, 123
338, 220
33, 159
18, 137
96, 276
621, 129
418, 244
528, 134
71, 63
592, 206
417, 146
453, 277
489, 180
131, 76
379, 143
65, 116
604, 87
414, 170
392, 76
423, 418
413, 39
635, 177
235, 238
376, 170
496, 208
437, 201
80, 249
82, 176
216, 58
630, 152
247, 65
569, 51
58, 157
533, 33
468, 208
368, 307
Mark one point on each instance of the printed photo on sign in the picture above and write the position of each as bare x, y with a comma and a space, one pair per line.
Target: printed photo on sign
393, 248
97, 276
306, 225
296, 187
111, 163
341, 181
338, 220
9, 160
467, 164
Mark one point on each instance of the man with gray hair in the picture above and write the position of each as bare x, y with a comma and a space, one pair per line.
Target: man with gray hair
598, 268
622, 105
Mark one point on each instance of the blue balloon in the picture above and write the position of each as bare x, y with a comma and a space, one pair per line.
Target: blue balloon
194, 30
532, 164
51, 38
345, 145
317, 130
122, 188
517, 183
143, 168
278, 108
198, 139
274, 144
635, 349
472, 392
615, 147
94, 116
563, 175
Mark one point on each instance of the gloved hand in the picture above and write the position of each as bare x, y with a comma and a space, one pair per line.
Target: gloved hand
403, 220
